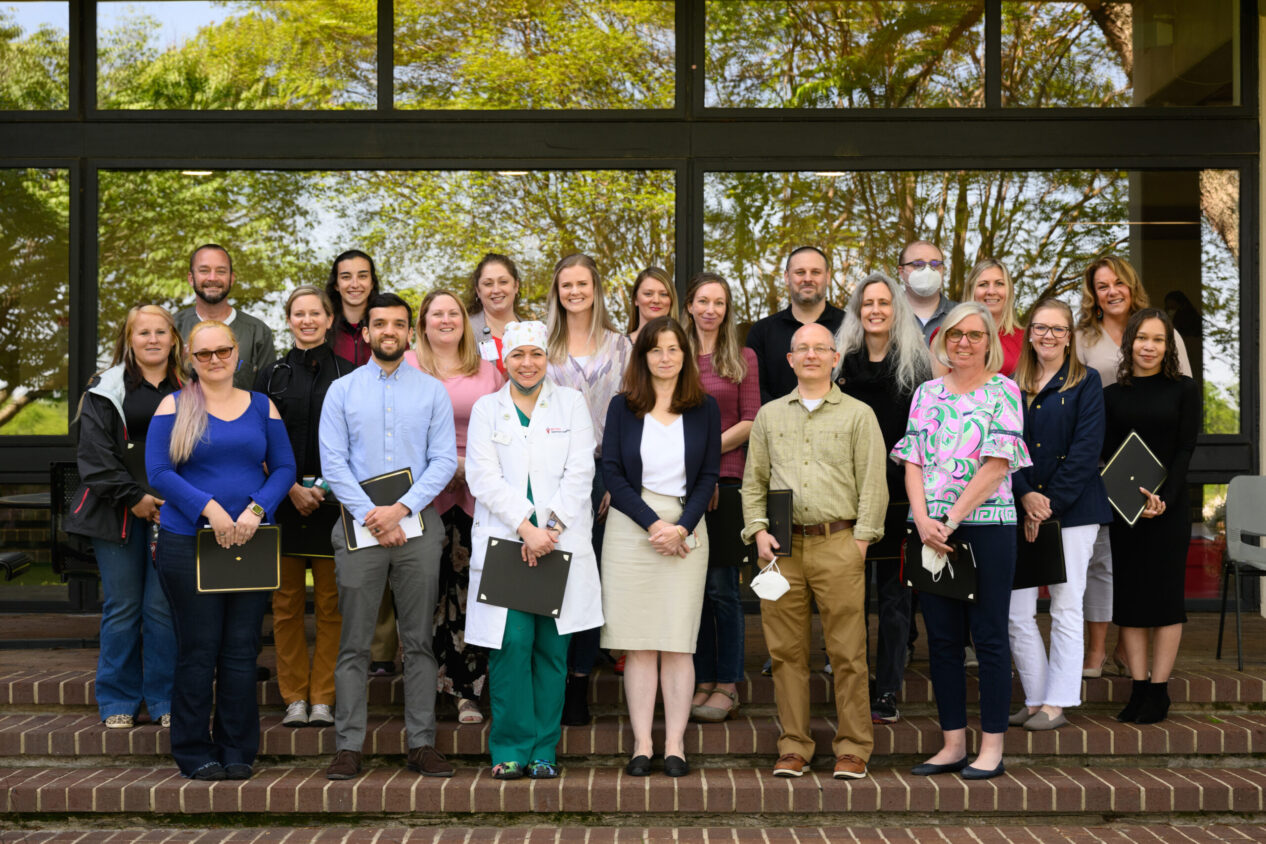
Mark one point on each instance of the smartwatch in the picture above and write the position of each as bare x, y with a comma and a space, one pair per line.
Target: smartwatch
555, 524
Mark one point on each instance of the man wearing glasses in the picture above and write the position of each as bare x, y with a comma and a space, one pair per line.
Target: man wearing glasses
922, 269
827, 449
211, 277
808, 275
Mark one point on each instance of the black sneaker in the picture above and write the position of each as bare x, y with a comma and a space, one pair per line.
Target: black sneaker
767, 670
883, 709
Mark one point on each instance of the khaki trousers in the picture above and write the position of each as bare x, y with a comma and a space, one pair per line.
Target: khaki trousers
293, 676
830, 569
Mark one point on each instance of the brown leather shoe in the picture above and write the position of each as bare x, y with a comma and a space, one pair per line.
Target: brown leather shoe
346, 765
428, 762
849, 767
791, 765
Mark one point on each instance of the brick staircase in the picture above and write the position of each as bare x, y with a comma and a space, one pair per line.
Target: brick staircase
1200, 776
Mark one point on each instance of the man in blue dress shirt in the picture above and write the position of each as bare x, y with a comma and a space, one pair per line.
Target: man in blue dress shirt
382, 418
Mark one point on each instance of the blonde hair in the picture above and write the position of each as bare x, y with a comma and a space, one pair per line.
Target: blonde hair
960, 312
1090, 318
727, 356
657, 274
123, 353
556, 317
190, 424
1029, 369
1010, 322
310, 290
467, 347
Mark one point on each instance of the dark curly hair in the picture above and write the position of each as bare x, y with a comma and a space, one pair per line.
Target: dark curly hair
1169, 363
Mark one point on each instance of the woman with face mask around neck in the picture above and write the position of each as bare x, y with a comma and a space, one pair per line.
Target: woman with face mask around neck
1111, 293
587, 354
730, 374
529, 465
1063, 429
653, 296
661, 460
117, 512
446, 349
207, 448
493, 303
962, 443
882, 361
297, 385
1149, 559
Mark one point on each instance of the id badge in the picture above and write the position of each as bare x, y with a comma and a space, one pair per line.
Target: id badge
488, 350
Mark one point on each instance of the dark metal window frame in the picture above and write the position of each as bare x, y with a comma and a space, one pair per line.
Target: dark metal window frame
689, 139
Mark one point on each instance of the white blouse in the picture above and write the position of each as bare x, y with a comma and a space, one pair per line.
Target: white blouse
664, 456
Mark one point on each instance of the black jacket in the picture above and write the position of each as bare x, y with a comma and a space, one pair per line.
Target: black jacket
101, 507
297, 385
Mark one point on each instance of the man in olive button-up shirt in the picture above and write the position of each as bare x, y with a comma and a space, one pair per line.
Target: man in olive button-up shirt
828, 450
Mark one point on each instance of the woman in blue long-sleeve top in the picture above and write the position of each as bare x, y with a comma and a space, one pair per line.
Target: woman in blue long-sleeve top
219, 456
1063, 429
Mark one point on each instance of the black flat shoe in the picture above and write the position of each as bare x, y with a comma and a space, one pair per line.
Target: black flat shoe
970, 773
675, 766
639, 766
238, 771
928, 769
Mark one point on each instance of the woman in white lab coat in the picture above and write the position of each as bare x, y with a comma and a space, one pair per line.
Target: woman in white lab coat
529, 465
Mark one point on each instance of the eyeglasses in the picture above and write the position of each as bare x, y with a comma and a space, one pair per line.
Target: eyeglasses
1059, 332
820, 351
223, 353
974, 338
918, 265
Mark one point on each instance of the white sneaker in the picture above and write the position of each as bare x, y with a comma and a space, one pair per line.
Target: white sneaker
118, 722
296, 714
321, 716
969, 658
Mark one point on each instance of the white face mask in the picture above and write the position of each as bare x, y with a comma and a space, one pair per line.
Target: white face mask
770, 585
924, 282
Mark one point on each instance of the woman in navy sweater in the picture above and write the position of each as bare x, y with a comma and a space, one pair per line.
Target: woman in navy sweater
205, 453
1063, 428
661, 457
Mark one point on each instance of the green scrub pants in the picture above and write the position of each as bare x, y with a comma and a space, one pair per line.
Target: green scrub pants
528, 678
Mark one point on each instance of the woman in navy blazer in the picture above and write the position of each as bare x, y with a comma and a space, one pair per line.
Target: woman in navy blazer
661, 457
1063, 429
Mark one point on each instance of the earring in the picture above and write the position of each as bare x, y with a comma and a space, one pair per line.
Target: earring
1098, 312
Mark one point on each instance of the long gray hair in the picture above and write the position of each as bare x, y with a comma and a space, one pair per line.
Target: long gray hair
906, 349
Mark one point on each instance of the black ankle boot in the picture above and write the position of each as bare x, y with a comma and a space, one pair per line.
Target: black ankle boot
1155, 706
576, 702
1138, 694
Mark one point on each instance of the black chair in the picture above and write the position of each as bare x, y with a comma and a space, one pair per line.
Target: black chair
71, 555
1245, 554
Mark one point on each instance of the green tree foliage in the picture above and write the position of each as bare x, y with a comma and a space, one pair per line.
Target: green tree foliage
1059, 54
34, 67
534, 54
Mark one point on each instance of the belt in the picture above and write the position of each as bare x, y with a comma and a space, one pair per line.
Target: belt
823, 529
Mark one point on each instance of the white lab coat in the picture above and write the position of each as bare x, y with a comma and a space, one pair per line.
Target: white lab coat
556, 451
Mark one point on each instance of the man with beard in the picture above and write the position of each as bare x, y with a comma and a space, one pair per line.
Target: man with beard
922, 269
383, 418
211, 277
808, 275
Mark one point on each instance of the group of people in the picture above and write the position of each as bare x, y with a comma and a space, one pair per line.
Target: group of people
647, 456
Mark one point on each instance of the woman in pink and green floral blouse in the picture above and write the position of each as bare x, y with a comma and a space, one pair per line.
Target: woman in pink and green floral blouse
963, 440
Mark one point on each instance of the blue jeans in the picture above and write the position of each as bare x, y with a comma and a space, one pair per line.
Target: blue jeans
217, 639
719, 650
138, 643
945, 619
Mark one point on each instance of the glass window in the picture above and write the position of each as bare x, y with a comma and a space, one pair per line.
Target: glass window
1180, 229
548, 54
844, 54
1142, 53
262, 54
425, 229
34, 56
34, 301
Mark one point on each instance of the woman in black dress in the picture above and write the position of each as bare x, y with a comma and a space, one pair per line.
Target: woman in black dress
1153, 398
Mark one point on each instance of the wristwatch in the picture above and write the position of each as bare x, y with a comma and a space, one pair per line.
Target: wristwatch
257, 510
554, 524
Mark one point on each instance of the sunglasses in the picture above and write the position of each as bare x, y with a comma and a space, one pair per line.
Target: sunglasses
223, 353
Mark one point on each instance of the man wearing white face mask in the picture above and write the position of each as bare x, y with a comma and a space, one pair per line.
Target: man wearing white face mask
922, 268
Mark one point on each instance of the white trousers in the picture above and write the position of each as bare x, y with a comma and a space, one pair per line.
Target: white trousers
1097, 605
1055, 681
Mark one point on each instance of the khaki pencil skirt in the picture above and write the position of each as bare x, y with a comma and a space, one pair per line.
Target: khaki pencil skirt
651, 602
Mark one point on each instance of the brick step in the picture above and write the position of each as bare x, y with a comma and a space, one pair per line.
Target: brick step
389, 790
76, 735
1197, 688
1185, 832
